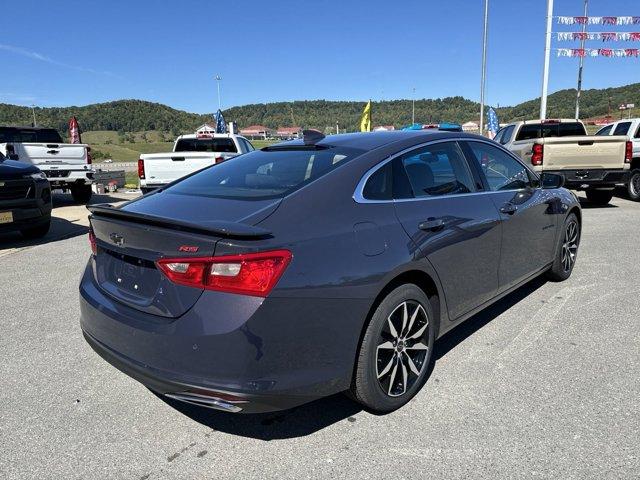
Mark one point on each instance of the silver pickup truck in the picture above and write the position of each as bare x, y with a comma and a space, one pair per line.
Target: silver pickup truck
595, 164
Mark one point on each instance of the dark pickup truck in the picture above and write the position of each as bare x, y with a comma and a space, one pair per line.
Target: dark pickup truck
25, 199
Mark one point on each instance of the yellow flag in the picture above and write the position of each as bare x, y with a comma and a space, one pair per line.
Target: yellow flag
365, 120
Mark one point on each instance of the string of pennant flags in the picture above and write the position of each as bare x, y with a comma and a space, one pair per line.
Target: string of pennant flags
598, 52
604, 36
598, 20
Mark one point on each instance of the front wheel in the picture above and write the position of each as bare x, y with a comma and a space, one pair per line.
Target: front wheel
395, 351
599, 197
566, 251
633, 188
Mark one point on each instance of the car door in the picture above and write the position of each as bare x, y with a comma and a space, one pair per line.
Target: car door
437, 200
527, 220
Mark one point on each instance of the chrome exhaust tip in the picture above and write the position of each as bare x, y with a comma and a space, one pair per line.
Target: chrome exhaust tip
205, 401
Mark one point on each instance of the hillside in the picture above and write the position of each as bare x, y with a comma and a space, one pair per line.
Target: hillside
140, 116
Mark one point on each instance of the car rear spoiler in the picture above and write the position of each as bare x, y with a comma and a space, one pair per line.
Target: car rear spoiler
220, 228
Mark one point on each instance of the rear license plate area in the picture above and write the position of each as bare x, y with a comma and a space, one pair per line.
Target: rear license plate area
6, 217
130, 275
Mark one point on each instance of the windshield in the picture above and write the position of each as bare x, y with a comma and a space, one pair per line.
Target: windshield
264, 174
224, 145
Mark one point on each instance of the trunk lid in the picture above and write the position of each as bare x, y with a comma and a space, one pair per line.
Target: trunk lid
132, 238
588, 152
52, 153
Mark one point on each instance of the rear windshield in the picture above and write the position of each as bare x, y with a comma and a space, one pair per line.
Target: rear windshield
29, 135
225, 145
546, 130
264, 174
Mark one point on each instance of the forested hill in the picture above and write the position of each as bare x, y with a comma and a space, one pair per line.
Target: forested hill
138, 115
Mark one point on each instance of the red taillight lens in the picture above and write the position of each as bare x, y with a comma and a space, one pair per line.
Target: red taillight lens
89, 157
247, 274
628, 152
141, 169
219, 159
537, 154
92, 242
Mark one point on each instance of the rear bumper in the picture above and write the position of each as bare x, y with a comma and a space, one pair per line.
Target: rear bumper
68, 176
256, 354
26, 213
584, 179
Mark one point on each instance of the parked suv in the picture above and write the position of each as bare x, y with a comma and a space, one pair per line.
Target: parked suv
25, 199
631, 128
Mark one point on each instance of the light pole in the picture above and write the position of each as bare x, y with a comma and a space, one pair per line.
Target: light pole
484, 64
218, 79
547, 54
580, 65
33, 111
413, 107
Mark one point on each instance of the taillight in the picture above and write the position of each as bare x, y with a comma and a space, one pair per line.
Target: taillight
248, 274
219, 159
89, 157
537, 154
628, 152
141, 169
92, 242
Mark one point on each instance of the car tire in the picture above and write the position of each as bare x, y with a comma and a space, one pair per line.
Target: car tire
599, 197
38, 231
566, 250
81, 193
633, 187
395, 351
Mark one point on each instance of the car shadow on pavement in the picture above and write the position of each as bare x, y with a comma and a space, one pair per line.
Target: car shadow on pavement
65, 200
296, 422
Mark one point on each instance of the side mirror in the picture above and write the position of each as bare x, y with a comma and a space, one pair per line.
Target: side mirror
551, 180
13, 156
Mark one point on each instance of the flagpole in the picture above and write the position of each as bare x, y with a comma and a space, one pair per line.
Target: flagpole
484, 64
547, 53
218, 78
581, 64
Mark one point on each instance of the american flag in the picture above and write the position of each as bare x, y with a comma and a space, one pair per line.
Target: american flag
221, 126
492, 122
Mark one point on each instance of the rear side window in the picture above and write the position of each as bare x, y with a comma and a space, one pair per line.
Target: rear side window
224, 145
264, 174
379, 185
26, 135
638, 132
622, 128
502, 171
550, 130
604, 131
507, 132
438, 169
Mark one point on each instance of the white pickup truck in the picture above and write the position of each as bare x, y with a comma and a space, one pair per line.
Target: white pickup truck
66, 165
190, 153
631, 128
595, 164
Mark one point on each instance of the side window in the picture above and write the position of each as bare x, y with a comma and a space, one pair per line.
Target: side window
622, 128
498, 137
604, 131
506, 135
503, 172
638, 132
378, 186
438, 169
247, 144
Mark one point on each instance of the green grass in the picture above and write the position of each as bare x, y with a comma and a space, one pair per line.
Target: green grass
131, 178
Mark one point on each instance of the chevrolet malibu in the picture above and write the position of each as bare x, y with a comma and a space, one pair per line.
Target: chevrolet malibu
318, 266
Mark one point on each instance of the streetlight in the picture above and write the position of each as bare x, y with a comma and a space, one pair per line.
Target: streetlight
484, 63
218, 78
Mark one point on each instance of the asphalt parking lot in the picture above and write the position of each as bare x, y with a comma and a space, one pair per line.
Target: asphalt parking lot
544, 384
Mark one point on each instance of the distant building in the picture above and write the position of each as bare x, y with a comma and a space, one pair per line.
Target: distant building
255, 132
289, 132
470, 127
382, 128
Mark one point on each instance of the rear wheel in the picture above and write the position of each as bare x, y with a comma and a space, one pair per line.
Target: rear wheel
566, 251
599, 197
81, 193
38, 231
633, 188
396, 350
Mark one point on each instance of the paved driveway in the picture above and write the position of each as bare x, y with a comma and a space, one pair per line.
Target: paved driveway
543, 384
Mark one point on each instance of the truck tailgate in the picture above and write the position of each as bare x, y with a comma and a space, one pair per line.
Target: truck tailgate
590, 152
53, 153
167, 167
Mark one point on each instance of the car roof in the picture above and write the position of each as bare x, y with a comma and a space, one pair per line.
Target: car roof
373, 140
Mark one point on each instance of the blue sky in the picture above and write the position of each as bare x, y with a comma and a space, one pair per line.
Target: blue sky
76, 53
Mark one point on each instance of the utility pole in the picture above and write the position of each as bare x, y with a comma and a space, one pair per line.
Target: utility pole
337, 128
33, 111
484, 64
581, 64
218, 80
547, 54
413, 107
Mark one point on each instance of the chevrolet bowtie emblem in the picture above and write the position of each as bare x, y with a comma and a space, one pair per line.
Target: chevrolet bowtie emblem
117, 239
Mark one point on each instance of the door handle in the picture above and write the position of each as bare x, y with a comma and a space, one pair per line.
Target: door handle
432, 224
508, 208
